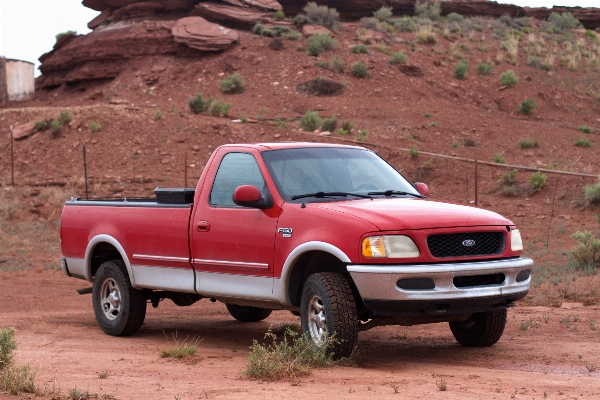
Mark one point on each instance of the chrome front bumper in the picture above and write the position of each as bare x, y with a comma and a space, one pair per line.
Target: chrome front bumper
380, 282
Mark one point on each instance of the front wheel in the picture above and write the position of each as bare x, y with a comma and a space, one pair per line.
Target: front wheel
481, 329
328, 307
247, 313
120, 309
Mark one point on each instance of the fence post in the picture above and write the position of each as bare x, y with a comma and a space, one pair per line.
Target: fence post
185, 170
12, 158
85, 174
476, 202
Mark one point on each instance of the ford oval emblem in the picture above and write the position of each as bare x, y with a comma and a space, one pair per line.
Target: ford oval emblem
468, 243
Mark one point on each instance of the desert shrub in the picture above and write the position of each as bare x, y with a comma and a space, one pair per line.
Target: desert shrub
538, 181
181, 349
563, 22
460, 71
95, 127
509, 78
508, 21
261, 30
279, 15
65, 117
510, 177
323, 64
276, 44
405, 24
319, 43
8, 344
233, 84
383, 14
586, 129
592, 194
538, 63
426, 36
398, 58
587, 252
337, 64
220, 108
63, 34
17, 379
291, 35
320, 87
362, 135
359, 70
345, 129
300, 20
158, 115
198, 104
56, 128
371, 23
499, 158
527, 106
469, 143
528, 143
322, 15
455, 17
310, 121
414, 153
583, 143
485, 68
329, 124
425, 9
360, 49
41, 126
280, 30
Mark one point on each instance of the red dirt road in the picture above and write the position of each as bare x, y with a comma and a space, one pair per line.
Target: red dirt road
57, 333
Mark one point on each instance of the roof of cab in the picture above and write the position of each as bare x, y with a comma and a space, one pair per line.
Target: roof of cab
289, 145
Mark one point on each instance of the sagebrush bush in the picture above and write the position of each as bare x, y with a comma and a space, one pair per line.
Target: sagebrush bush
426, 35
583, 143
587, 252
586, 129
592, 194
41, 126
95, 127
300, 20
510, 177
537, 62
538, 181
414, 153
372, 23
399, 58
322, 15
454, 17
485, 68
279, 15
528, 143
337, 64
359, 70
310, 121
233, 84
527, 106
499, 158
563, 22
17, 379
383, 14
319, 43
220, 108
56, 128
198, 104
405, 24
429, 10
261, 30
360, 49
65, 118
8, 344
329, 124
460, 71
508, 78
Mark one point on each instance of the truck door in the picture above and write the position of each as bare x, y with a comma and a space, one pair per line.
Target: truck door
233, 247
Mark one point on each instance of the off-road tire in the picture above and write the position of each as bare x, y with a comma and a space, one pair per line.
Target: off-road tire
128, 318
331, 292
247, 313
481, 329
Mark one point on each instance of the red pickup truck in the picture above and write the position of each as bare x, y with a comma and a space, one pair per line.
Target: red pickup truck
332, 233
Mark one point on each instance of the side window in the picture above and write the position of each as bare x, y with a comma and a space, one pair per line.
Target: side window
236, 169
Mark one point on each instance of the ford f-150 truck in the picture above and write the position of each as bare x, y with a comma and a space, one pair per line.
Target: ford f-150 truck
332, 233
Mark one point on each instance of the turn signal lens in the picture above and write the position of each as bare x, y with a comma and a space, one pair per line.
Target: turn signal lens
516, 243
392, 246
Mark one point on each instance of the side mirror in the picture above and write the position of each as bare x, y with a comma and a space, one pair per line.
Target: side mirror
422, 188
250, 196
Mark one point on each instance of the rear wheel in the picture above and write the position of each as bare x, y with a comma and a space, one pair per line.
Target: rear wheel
119, 308
328, 307
247, 313
481, 329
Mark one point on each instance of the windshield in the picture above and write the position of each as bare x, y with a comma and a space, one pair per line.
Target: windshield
329, 172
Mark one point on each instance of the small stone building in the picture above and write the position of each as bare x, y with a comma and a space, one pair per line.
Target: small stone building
17, 82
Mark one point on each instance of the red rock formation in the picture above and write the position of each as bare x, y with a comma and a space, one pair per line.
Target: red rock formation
589, 17
237, 17
198, 33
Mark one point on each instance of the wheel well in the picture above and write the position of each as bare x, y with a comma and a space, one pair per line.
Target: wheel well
101, 253
310, 263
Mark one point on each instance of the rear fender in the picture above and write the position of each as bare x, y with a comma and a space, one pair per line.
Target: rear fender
96, 240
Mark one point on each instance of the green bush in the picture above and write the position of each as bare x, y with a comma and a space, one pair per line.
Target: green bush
538, 181
360, 49
509, 78
528, 143
300, 20
586, 129
383, 14
372, 23
278, 15
587, 252
329, 124
337, 64
537, 62
425, 9
510, 177
499, 158
414, 153
67, 33
198, 104
399, 58
485, 69
322, 15
95, 127
426, 36
55, 128
41, 126
65, 118
320, 42
527, 106
261, 30
359, 70
8, 344
563, 22
310, 121
16, 379
233, 84
362, 135
592, 194
220, 108
405, 24
583, 143
460, 71
454, 17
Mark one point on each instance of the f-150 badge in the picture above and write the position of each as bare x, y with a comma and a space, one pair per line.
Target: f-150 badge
287, 232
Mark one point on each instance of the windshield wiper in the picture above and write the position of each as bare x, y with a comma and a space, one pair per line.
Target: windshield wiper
390, 193
321, 195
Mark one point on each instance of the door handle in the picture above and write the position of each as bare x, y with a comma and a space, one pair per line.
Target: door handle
203, 226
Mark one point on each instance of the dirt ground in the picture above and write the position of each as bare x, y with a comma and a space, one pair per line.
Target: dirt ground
57, 333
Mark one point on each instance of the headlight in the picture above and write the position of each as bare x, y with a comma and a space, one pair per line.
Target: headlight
396, 246
516, 243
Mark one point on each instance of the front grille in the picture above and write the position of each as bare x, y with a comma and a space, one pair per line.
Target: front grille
466, 244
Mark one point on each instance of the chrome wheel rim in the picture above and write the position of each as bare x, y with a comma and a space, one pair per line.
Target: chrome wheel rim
110, 299
317, 323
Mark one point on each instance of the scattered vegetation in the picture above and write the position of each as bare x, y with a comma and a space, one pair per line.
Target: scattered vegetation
95, 127
441, 384
232, 84
509, 78
460, 71
78, 394
322, 15
362, 135
414, 153
583, 143
319, 43
187, 347
528, 143
563, 22
405, 24
586, 129
539, 63
65, 117
8, 344
510, 177
220, 108
41, 126
63, 34
55, 128
538, 181
426, 35
329, 124
359, 70
592, 195
198, 104
425, 9
485, 68
399, 58
587, 252
527, 106
499, 158
360, 49
158, 115
14, 378
278, 15
310, 121
383, 14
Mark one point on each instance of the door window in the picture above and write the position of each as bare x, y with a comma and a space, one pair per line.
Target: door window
236, 169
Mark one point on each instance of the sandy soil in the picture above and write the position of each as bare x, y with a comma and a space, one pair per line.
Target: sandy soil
58, 334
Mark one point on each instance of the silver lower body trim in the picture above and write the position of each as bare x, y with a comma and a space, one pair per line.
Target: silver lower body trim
160, 278
74, 267
379, 282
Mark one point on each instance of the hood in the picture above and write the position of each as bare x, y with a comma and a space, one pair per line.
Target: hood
403, 213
